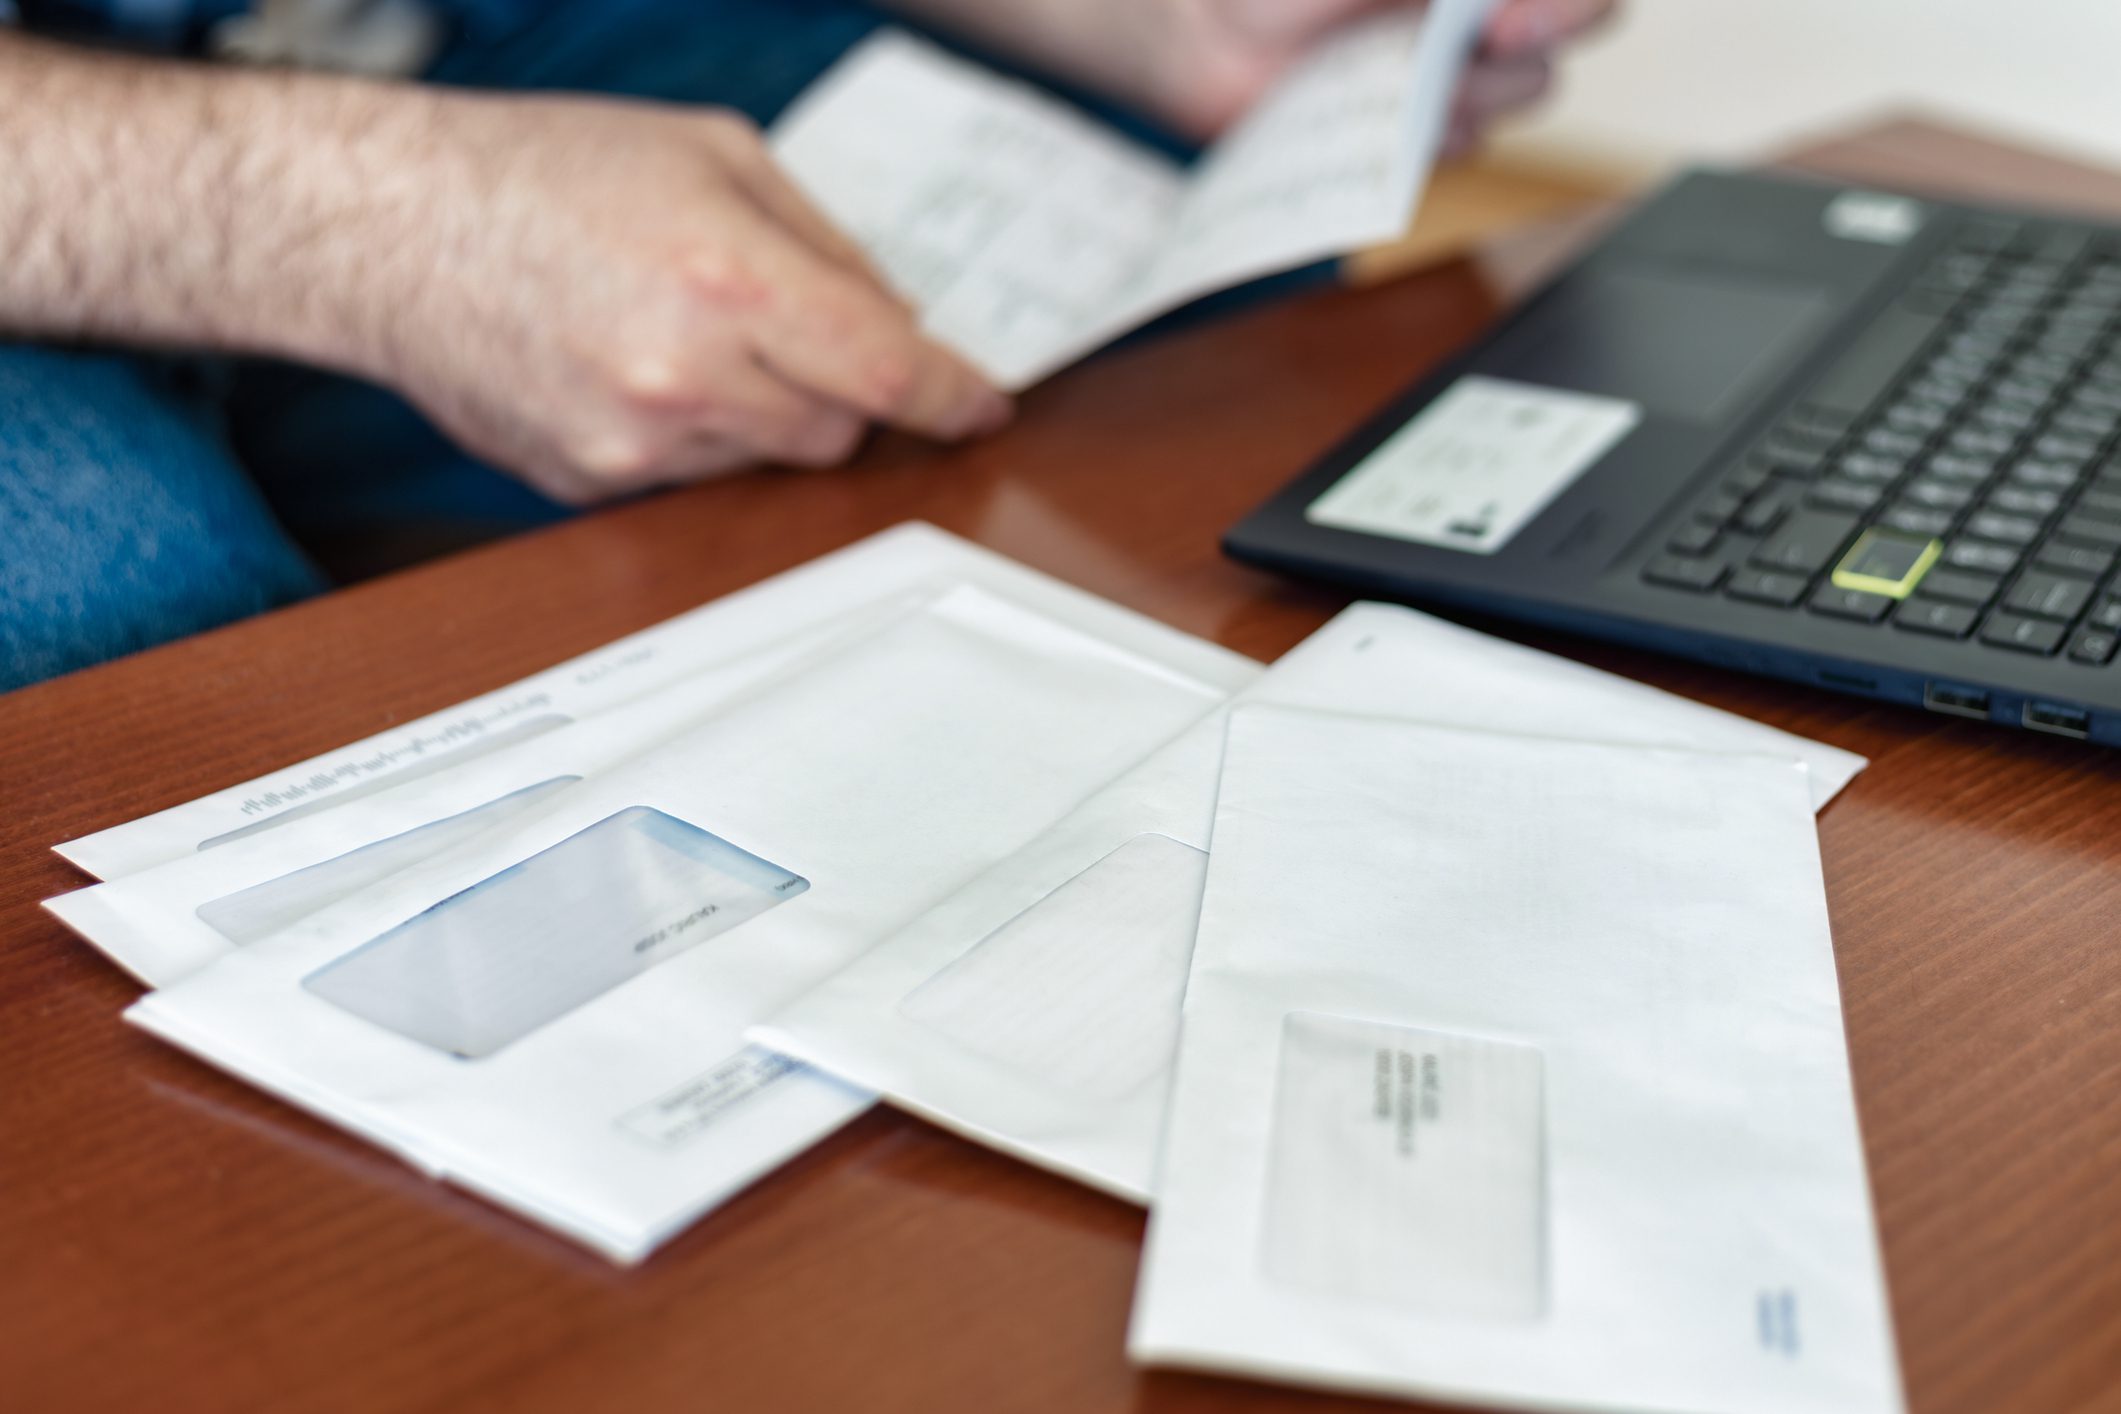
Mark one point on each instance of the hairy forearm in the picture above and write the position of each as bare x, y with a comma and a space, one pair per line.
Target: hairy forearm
173, 204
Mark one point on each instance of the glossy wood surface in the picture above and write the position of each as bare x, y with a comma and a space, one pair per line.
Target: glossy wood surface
172, 1241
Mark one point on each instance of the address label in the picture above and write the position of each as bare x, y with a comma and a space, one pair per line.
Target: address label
1476, 465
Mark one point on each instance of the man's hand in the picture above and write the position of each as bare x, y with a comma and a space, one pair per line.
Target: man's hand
621, 295
600, 296
1219, 56
1199, 64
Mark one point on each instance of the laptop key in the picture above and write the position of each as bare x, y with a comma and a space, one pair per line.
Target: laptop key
1718, 508
1869, 467
2024, 501
1823, 422
1694, 538
1960, 469
1843, 496
2054, 476
1937, 495
1886, 562
1767, 587
1981, 442
1800, 440
2056, 447
2085, 560
1858, 604
2106, 505
1684, 572
2094, 645
2005, 530
2107, 615
1806, 543
1919, 419
1745, 480
2089, 530
1980, 557
2007, 419
1917, 520
2088, 422
2023, 396
1958, 587
2049, 596
1934, 616
2021, 634
1763, 513
1892, 442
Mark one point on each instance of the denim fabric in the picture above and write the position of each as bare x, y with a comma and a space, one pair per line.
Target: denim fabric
124, 520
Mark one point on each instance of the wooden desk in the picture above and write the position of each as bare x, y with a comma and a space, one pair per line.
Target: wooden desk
171, 1240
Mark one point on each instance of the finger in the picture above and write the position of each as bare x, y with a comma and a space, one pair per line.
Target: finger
702, 458
1495, 86
824, 330
1535, 26
683, 459
755, 408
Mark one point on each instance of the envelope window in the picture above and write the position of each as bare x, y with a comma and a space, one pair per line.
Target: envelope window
1407, 1167
1083, 988
513, 953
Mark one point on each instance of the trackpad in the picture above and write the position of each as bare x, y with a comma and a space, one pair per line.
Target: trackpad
1691, 347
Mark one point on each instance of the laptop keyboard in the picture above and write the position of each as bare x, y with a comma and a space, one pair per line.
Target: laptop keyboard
1955, 472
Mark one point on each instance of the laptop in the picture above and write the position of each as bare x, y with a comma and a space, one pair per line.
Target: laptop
1840, 436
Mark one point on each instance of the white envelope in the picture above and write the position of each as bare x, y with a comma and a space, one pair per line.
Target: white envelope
164, 922
552, 1014
1512, 1071
1037, 1009
1028, 233
906, 557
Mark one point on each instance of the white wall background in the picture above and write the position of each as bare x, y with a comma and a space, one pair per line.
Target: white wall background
1725, 79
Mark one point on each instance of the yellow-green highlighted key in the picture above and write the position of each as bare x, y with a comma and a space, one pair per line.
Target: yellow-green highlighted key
1887, 562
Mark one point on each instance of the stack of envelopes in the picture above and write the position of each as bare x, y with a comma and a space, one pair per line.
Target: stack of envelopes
1467, 1016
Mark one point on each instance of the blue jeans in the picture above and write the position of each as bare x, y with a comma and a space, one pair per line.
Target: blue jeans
146, 498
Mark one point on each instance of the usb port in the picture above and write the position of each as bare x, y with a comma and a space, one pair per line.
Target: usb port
2059, 719
1957, 701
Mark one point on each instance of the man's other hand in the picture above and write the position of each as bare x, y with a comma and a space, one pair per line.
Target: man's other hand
1214, 58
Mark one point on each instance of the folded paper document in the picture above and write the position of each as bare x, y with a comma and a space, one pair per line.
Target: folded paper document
1512, 1070
1028, 234
1037, 1009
